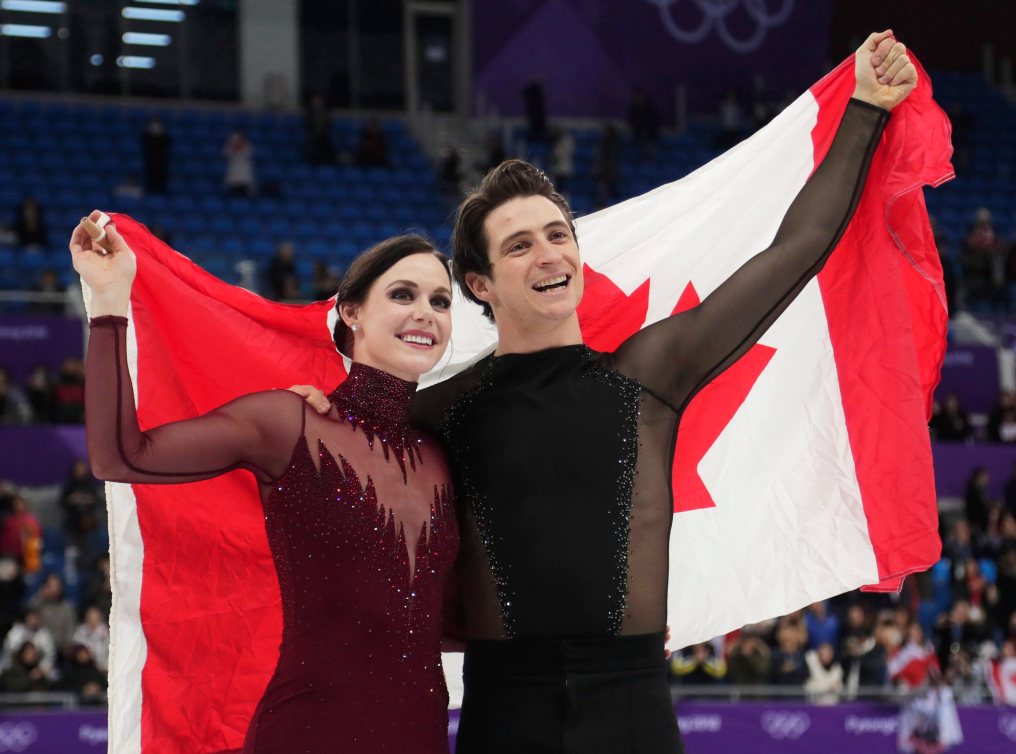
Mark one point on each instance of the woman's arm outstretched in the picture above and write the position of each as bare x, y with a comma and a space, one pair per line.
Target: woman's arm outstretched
256, 432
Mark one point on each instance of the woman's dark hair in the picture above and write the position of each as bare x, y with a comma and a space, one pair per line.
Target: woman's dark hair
509, 180
368, 267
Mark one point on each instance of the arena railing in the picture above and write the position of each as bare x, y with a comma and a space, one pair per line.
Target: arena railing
40, 700
731, 693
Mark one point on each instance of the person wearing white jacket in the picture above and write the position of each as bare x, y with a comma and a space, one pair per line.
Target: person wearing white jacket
825, 675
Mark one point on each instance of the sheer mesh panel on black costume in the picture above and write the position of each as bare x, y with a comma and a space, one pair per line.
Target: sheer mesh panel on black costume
563, 458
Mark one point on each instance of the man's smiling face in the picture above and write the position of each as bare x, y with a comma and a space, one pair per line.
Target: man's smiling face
536, 273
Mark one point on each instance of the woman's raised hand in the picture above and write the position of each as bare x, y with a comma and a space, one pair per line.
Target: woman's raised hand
106, 265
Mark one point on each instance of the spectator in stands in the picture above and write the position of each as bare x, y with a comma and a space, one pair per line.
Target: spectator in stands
1010, 491
748, 660
94, 634
449, 172
55, 611
39, 391
823, 626
961, 551
12, 588
29, 223
325, 281
787, 667
83, 677
949, 276
25, 672
30, 629
14, 406
1005, 583
644, 121
81, 500
160, 232
982, 261
761, 105
562, 159
1010, 279
962, 121
977, 502
856, 626
1002, 419
21, 536
281, 274
965, 680
864, 658
317, 126
911, 662
960, 628
155, 148
949, 422
97, 586
698, 665
493, 154
239, 154
825, 675
69, 392
535, 103
48, 283
372, 151
7, 494
731, 121
607, 170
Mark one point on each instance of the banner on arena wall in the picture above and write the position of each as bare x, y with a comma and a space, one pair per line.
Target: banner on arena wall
592, 69
28, 340
766, 728
784, 490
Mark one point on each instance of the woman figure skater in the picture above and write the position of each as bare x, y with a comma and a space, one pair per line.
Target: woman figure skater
358, 506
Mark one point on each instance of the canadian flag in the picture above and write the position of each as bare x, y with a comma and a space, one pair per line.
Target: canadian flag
910, 664
1002, 680
801, 472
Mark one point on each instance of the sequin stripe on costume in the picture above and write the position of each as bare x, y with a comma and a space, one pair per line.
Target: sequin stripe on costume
371, 534
469, 495
377, 403
630, 392
404, 447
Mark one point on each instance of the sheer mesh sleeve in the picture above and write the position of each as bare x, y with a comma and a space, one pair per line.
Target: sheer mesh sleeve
257, 432
705, 340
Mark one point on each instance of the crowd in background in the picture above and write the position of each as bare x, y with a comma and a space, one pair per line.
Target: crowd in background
55, 638
954, 625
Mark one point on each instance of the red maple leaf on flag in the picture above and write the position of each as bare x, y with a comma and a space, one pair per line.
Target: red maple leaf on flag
707, 415
608, 317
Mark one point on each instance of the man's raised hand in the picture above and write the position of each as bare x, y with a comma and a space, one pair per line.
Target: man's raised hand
883, 71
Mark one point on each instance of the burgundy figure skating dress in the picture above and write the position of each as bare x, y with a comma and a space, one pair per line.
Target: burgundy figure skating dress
361, 525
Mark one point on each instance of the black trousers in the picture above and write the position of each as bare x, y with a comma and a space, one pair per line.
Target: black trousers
567, 696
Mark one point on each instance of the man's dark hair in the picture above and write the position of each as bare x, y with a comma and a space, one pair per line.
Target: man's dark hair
511, 179
368, 267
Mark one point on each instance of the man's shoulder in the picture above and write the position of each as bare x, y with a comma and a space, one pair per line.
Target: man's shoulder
430, 404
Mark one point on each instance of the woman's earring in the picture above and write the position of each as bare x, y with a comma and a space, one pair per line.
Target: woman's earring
354, 327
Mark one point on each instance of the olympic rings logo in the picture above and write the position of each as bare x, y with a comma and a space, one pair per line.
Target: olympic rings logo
17, 736
714, 15
782, 725
1007, 726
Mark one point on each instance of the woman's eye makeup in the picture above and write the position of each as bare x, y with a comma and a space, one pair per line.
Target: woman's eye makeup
404, 295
